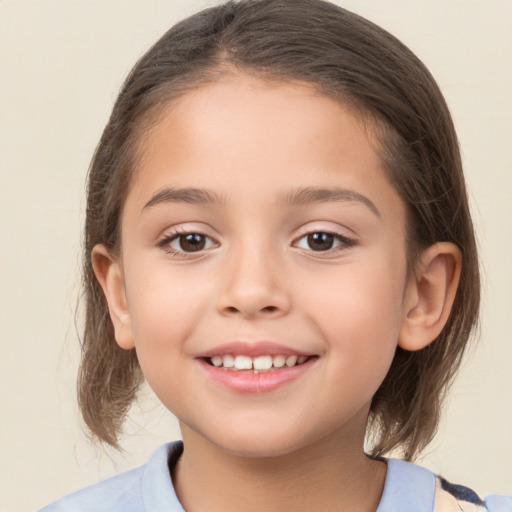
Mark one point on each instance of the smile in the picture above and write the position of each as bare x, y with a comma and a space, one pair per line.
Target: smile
262, 363
256, 375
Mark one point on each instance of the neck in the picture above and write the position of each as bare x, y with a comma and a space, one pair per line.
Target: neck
329, 475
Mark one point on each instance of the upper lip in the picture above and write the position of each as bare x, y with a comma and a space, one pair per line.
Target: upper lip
252, 349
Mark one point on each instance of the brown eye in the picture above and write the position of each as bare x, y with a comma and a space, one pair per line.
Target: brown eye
323, 241
320, 241
191, 242
186, 243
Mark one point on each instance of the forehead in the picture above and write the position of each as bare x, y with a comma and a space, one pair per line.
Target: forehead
244, 103
234, 133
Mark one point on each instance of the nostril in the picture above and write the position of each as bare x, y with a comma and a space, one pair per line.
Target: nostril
264, 310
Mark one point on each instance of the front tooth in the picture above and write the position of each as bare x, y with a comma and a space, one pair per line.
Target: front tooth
291, 361
262, 363
243, 363
279, 361
216, 360
228, 361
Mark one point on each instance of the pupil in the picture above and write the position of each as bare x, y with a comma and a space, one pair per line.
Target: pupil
320, 241
192, 242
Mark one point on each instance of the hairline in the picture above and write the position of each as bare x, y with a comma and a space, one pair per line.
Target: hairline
166, 95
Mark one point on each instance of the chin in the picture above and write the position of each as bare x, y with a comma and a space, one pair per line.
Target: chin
260, 449
262, 442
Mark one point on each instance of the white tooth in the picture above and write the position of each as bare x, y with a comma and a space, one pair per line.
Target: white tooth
279, 361
228, 361
262, 363
216, 360
243, 363
302, 359
291, 361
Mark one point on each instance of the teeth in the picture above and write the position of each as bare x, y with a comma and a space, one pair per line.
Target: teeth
217, 361
291, 361
260, 363
243, 363
228, 361
279, 361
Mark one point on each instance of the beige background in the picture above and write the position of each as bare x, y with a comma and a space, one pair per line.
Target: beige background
61, 64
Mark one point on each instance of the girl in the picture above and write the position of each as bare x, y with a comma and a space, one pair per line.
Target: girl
278, 240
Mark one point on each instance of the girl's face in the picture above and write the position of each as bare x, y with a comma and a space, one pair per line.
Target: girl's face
260, 224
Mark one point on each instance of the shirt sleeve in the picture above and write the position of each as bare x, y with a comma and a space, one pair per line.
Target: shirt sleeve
495, 503
458, 498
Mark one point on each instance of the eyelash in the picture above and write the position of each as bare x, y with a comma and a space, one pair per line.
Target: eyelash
344, 242
168, 239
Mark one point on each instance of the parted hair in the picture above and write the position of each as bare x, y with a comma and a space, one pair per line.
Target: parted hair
358, 64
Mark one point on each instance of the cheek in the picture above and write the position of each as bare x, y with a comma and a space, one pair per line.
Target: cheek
165, 308
359, 312
363, 296
163, 313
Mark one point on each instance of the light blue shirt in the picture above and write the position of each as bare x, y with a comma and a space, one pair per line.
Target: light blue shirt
148, 488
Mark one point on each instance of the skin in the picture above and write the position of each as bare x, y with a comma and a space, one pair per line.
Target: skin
252, 144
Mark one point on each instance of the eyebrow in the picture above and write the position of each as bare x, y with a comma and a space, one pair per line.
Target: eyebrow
308, 195
187, 195
293, 197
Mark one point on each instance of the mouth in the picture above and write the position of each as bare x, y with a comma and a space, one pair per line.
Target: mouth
255, 368
259, 364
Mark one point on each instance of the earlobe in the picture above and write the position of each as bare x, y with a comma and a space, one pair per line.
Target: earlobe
109, 273
429, 295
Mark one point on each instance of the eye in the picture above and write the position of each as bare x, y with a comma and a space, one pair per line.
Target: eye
190, 242
322, 241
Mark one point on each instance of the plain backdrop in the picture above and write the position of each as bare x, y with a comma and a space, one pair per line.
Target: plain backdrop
61, 65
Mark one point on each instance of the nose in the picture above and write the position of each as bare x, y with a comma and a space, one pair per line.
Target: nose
253, 287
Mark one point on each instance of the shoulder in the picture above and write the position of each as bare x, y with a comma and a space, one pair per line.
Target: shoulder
460, 498
416, 489
120, 491
145, 488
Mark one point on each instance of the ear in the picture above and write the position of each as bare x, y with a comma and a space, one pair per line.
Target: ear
109, 273
429, 295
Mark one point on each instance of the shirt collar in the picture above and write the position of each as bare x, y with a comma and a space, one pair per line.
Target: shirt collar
407, 486
158, 493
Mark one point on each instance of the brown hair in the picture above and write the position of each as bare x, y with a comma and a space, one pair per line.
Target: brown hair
359, 64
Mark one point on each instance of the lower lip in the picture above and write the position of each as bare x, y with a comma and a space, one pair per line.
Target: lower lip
248, 382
